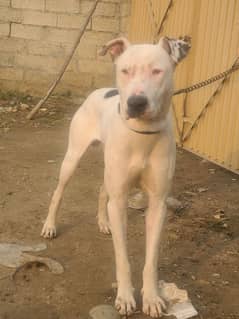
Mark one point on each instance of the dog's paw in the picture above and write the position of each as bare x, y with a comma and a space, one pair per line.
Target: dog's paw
48, 231
125, 303
104, 226
153, 305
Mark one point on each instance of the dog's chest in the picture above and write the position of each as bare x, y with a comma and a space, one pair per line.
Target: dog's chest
138, 162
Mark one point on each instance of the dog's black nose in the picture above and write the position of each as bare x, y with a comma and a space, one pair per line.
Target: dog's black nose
136, 105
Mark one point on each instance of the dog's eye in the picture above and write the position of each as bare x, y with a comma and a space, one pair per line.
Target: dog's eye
125, 71
156, 71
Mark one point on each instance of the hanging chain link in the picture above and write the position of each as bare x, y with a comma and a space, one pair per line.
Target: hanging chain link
214, 78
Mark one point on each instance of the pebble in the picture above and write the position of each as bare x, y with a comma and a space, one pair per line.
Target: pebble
114, 285
203, 282
104, 312
202, 189
212, 170
174, 203
24, 106
51, 161
190, 193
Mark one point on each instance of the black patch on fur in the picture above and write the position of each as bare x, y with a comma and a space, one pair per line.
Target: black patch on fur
111, 93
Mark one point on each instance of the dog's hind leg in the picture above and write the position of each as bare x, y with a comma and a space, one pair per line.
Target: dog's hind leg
102, 216
81, 135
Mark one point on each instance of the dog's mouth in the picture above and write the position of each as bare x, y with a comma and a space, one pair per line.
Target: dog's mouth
138, 113
146, 115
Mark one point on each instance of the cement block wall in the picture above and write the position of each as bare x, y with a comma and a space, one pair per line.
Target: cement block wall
36, 35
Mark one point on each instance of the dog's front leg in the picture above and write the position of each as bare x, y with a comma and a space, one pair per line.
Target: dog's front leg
152, 302
124, 302
157, 182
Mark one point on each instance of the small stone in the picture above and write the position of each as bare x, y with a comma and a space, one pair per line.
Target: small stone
203, 282
104, 312
190, 193
220, 214
137, 200
51, 161
212, 170
202, 189
174, 203
24, 106
173, 236
114, 285
216, 275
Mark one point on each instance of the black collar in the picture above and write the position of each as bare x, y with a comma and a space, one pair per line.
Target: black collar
139, 132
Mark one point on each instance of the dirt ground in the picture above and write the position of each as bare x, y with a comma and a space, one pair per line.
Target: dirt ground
200, 248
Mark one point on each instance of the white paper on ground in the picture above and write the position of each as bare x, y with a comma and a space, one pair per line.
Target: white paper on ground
182, 310
177, 299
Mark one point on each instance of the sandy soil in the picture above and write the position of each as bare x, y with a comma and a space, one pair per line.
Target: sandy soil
199, 251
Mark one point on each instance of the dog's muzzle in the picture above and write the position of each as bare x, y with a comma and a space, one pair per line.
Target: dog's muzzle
137, 105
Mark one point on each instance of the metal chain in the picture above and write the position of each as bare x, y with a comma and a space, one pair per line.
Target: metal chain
214, 78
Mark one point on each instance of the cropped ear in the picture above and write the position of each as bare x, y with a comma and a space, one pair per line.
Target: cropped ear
115, 47
176, 48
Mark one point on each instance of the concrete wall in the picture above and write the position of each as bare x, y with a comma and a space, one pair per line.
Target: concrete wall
36, 35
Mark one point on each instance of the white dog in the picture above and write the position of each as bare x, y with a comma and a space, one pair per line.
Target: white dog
134, 124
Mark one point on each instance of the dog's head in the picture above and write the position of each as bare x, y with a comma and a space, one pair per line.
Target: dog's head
144, 74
